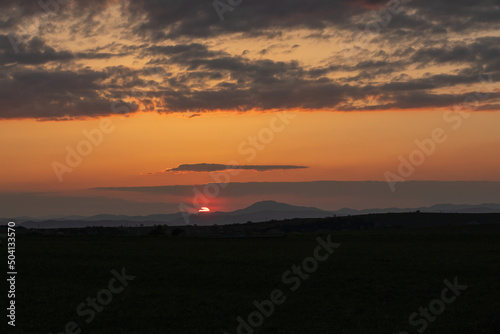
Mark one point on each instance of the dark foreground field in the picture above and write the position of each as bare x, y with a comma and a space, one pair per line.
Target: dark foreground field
372, 283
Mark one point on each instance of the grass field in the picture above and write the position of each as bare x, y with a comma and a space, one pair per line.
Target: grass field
372, 283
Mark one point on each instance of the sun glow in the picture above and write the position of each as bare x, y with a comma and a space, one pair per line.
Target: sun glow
204, 209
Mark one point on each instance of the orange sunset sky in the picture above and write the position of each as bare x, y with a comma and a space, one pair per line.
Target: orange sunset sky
328, 91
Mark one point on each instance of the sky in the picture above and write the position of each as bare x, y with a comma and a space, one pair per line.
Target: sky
133, 107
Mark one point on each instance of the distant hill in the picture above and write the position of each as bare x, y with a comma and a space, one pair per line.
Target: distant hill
275, 206
257, 212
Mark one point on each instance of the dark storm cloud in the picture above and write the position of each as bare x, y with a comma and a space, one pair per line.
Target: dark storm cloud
482, 50
209, 167
197, 77
266, 84
54, 95
198, 18
245, 84
36, 52
272, 95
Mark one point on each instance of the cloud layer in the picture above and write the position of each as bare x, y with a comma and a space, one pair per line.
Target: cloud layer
97, 58
209, 167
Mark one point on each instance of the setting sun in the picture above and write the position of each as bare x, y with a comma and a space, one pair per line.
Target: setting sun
204, 209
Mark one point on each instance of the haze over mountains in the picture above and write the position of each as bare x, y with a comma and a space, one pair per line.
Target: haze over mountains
257, 212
